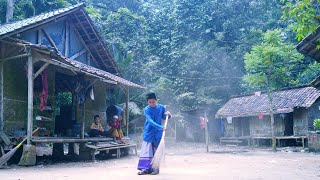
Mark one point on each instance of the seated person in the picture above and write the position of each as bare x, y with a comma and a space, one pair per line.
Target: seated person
96, 128
116, 131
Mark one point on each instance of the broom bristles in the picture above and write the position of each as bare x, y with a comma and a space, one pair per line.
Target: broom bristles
5, 158
157, 158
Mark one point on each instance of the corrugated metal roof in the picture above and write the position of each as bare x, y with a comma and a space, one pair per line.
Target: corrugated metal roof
7, 29
284, 101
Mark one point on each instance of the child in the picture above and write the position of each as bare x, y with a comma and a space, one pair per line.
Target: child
152, 134
116, 131
96, 128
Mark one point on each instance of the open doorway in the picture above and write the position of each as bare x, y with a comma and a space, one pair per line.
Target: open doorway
288, 124
63, 118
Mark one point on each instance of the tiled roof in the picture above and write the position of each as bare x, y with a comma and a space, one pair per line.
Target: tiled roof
8, 29
89, 69
283, 101
80, 66
101, 73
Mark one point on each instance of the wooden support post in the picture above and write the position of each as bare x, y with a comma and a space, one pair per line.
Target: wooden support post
41, 69
1, 97
206, 131
39, 36
30, 100
127, 110
83, 120
66, 42
78, 54
51, 40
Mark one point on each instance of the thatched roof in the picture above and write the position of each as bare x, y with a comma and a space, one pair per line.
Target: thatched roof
283, 101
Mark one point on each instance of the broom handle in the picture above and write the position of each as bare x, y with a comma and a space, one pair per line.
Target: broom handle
26, 138
165, 126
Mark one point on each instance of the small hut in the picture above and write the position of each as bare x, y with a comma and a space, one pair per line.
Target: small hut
247, 117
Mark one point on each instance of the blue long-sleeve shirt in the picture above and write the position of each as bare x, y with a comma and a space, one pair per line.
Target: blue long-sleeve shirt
152, 127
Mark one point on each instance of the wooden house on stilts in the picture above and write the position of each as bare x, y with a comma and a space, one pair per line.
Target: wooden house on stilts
55, 55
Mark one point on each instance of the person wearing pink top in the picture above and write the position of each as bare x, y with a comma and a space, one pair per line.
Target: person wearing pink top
116, 131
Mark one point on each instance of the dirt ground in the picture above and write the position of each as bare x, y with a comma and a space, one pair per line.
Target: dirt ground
185, 161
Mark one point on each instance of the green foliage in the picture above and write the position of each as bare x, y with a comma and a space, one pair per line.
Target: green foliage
310, 73
190, 52
63, 99
3, 9
316, 124
304, 16
271, 65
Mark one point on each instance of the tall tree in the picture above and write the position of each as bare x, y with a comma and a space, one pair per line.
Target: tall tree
271, 66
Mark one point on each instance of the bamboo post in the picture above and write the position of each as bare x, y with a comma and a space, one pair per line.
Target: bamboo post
1, 90
83, 120
30, 99
1, 96
206, 131
127, 111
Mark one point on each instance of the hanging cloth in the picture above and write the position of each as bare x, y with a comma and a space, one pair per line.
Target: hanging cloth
92, 94
44, 93
202, 122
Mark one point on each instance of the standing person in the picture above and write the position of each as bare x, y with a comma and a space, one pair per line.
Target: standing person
152, 134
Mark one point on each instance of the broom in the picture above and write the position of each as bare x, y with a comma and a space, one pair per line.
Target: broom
5, 158
160, 150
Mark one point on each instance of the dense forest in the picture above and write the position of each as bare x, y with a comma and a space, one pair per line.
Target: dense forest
195, 54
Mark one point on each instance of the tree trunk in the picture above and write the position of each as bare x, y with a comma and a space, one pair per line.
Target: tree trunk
272, 121
9, 14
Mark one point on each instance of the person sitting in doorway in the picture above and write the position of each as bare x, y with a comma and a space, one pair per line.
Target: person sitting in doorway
116, 131
96, 128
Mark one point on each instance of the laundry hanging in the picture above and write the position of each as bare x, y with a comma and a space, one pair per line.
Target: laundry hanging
44, 93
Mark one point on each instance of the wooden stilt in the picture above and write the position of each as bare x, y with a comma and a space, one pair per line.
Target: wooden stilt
30, 100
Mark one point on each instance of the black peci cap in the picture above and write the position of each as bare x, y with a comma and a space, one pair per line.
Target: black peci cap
151, 96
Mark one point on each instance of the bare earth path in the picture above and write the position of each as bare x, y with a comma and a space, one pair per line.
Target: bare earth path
184, 161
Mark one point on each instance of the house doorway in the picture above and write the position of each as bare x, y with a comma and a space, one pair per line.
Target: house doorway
288, 124
241, 127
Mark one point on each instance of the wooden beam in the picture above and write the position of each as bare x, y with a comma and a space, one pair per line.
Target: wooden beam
316, 36
39, 36
1, 89
108, 54
66, 42
83, 43
78, 54
127, 110
30, 100
60, 64
51, 41
15, 57
40, 70
104, 63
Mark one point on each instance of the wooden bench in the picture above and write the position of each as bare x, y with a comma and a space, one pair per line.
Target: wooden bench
230, 141
108, 146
